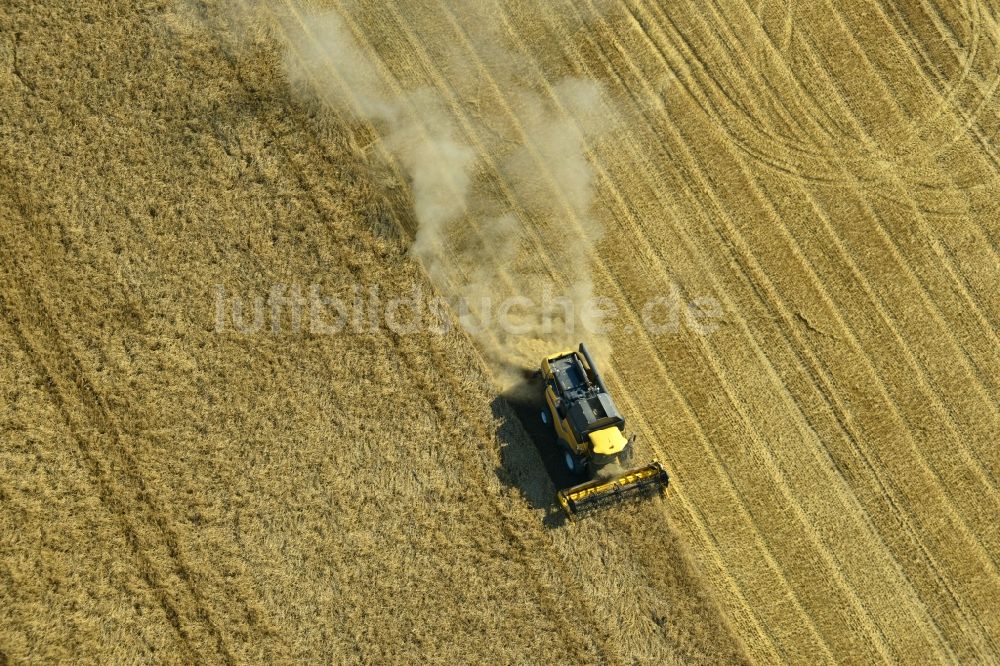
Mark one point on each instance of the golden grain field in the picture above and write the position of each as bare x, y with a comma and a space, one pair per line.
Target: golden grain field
826, 173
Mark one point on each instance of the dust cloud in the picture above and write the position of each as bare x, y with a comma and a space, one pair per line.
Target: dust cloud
501, 184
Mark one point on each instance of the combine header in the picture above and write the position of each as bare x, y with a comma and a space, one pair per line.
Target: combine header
591, 434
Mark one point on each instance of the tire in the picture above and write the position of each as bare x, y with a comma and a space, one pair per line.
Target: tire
575, 465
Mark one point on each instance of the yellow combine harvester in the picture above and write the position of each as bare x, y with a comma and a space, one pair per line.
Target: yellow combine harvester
591, 434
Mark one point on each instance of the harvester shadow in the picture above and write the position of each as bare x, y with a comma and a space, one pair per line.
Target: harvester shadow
531, 460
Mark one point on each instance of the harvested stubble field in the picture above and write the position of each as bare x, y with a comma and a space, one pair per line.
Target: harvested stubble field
170, 492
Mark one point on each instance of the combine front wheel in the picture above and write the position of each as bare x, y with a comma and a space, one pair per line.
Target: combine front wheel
573, 463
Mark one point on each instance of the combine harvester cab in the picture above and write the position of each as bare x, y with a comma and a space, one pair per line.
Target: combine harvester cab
590, 430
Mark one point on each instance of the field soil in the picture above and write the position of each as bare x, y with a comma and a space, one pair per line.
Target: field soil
822, 177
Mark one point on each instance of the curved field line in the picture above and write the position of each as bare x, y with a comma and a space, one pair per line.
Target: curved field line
974, 373
874, 184
987, 96
817, 108
979, 31
945, 97
976, 466
873, 149
726, 48
749, 75
768, 158
945, 94
839, 410
705, 87
804, 90
910, 355
828, 173
969, 364
725, 39
988, 327
805, 102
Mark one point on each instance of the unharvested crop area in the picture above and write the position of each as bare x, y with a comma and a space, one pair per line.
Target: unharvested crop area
826, 172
